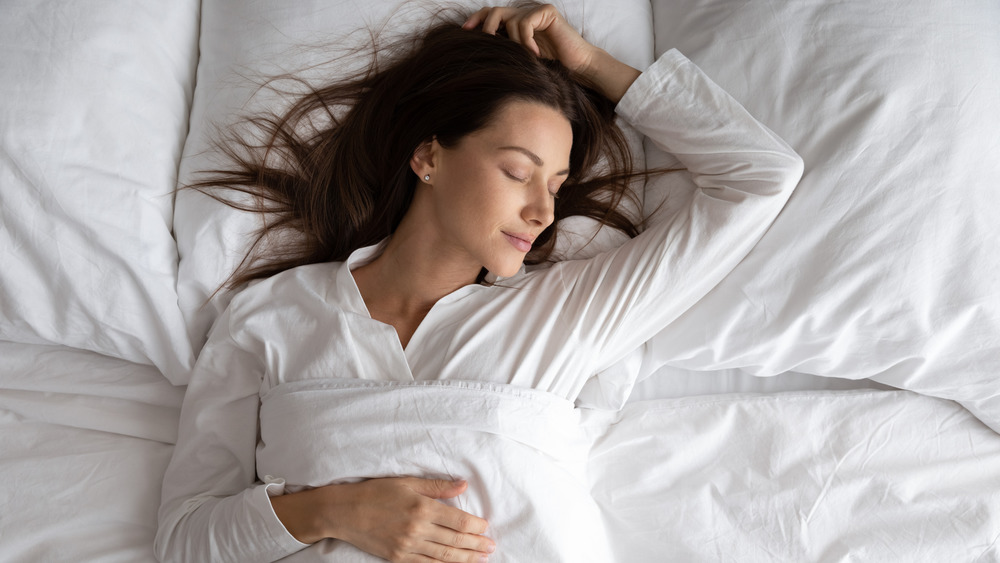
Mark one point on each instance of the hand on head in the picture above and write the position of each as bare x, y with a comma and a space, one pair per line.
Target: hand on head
542, 29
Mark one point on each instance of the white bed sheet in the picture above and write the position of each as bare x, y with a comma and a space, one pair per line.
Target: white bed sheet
673, 382
84, 442
832, 476
812, 476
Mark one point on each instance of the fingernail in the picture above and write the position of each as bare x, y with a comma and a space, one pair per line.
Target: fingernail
483, 559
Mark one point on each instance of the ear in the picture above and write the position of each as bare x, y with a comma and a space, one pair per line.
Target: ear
424, 158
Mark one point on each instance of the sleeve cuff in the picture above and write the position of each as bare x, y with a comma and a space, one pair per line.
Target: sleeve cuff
261, 501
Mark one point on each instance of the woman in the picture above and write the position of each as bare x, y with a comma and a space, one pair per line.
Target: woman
378, 393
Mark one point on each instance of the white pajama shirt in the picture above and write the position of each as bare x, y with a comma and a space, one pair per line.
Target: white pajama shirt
549, 330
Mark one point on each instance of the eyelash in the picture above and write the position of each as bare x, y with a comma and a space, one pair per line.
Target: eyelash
511, 175
522, 180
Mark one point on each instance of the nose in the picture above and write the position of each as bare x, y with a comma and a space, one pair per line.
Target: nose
539, 210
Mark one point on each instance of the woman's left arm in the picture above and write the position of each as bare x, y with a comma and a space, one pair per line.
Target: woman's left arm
743, 171
743, 174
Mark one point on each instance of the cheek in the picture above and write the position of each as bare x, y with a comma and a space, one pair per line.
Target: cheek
474, 193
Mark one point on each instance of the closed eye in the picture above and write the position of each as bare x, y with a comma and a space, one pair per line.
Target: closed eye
512, 176
517, 178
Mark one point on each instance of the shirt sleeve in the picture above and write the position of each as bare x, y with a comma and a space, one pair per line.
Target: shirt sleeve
744, 174
213, 506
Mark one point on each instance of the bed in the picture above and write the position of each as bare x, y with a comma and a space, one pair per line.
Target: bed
835, 398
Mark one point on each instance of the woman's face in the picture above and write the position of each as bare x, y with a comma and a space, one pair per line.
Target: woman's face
494, 192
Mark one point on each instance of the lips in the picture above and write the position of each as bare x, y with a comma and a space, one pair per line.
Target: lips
520, 241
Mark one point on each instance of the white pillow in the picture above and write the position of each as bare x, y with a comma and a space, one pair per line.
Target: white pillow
242, 43
886, 261
95, 99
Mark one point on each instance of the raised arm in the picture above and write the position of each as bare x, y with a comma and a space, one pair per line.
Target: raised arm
744, 174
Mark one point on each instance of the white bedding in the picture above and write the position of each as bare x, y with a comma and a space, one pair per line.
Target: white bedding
884, 265
795, 477
531, 486
95, 103
84, 442
812, 476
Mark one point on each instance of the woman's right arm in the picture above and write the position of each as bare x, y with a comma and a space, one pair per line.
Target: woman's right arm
214, 508
395, 519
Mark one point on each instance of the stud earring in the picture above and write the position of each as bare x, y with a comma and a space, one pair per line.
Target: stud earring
427, 177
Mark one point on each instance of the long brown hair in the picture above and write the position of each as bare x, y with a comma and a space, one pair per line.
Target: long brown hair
331, 174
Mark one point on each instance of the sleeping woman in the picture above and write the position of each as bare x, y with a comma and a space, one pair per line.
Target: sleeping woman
393, 384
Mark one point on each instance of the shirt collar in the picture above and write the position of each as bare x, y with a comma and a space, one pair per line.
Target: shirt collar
347, 294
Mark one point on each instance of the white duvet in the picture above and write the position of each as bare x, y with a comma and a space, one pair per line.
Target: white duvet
834, 476
812, 476
803, 476
523, 452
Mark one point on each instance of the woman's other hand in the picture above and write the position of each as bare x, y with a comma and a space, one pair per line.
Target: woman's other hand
544, 31
398, 519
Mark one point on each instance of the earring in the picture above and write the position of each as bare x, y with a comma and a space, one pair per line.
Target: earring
427, 177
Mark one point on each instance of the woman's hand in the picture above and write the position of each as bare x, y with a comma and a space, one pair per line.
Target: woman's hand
395, 518
544, 31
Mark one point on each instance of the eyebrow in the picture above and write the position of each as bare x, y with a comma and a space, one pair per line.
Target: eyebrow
534, 157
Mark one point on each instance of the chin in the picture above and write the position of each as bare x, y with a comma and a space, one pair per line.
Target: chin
505, 270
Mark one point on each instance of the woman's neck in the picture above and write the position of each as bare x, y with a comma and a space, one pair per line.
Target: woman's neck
415, 270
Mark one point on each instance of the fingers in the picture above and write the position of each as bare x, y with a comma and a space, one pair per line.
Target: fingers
442, 514
495, 17
524, 33
435, 488
458, 520
445, 534
440, 543
492, 18
476, 19
450, 538
400, 519
453, 554
520, 23
489, 18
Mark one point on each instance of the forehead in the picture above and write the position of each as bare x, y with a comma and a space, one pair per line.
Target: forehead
536, 127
